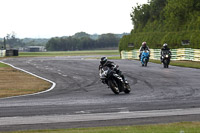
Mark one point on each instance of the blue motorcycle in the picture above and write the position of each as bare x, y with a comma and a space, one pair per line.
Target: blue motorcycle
144, 58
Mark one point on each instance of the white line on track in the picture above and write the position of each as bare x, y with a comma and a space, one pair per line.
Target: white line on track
96, 116
52, 87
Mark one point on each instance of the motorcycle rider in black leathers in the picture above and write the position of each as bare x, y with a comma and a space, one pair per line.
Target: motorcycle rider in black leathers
165, 49
143, 48
104, 62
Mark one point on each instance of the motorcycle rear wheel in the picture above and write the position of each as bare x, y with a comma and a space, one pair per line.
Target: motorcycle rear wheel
128, 89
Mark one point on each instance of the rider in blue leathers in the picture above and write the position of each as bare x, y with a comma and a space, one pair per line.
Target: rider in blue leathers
143, 55
143, 48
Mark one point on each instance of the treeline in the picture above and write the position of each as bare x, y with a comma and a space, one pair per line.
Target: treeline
82, 41
35, 41
164, 21
12, 42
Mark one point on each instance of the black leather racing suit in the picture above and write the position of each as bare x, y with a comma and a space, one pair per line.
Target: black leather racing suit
114, 67
165, 50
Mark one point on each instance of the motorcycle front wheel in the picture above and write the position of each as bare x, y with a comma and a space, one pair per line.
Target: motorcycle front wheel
165, 63
145, 62
114, 87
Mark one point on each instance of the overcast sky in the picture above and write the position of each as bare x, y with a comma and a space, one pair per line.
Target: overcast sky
50, 18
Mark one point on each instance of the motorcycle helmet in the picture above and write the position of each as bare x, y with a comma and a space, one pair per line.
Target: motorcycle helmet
144, 44
103, 60
165, 45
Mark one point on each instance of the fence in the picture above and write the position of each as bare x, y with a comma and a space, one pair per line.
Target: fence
177, 54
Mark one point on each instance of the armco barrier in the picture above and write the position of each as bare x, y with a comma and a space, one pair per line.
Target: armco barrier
177, 54
196, 55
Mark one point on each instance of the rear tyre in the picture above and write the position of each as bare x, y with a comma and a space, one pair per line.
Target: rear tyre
128, 89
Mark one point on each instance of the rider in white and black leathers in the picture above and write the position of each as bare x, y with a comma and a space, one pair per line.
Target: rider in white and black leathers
143, 48
164, 49
104, 62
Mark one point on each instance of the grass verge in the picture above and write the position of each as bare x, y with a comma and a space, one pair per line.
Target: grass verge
3, 65
69, 53
191, 64
14, 82
182, 127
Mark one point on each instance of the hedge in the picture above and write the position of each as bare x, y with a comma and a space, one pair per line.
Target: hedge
157, 39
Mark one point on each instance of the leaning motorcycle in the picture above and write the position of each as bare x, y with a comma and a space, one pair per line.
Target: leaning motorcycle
144, 58
166, 59
113, 80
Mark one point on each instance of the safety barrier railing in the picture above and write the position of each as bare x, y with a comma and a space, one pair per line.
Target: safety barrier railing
177, 54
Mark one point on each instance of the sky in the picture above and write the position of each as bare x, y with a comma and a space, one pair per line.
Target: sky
56, 18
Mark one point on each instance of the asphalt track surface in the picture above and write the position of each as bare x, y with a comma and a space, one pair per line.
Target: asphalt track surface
79, 99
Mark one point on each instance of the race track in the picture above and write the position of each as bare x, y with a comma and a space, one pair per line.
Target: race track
79, 99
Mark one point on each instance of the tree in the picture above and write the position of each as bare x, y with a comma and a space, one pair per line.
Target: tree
177, 11
156, 9
140, 15
82, 43
81, 34
12, 41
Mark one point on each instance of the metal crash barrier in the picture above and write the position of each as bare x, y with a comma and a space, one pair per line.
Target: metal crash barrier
177, 54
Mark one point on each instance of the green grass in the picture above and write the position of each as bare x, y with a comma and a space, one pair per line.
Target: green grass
3, 65
70, 53
191, 64
182, 127
114, 58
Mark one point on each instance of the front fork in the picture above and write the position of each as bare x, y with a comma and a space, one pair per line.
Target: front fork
122, 80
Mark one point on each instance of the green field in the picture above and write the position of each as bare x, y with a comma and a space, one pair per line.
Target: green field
182, 127
70, 53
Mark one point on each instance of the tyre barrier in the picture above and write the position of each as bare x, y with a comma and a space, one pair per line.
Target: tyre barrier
2, 53
12, 52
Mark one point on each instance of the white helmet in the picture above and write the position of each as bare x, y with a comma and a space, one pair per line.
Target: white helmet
165, 45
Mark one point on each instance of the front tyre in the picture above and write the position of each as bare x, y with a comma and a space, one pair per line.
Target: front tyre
165, 63
114, 87
145, 63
